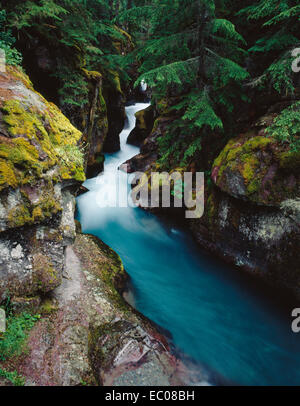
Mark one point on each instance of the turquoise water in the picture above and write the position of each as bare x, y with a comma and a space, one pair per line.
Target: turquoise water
216, 317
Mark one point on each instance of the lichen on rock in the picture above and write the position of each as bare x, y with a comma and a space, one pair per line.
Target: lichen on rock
255, 198
258, 168
40, 160
89, 334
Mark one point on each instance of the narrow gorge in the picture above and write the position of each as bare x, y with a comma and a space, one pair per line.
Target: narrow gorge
96, 290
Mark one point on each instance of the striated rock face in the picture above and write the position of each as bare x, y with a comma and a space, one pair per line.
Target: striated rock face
252, 214
89, 335
94, 123
40, 163
116, 115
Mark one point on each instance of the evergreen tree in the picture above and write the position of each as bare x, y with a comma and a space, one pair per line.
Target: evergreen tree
193, 55
278, 24
7, 41
80, 32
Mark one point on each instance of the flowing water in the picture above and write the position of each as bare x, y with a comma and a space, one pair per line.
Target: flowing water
215, 316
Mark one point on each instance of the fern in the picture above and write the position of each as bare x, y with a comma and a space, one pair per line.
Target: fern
281, 18
12, 56
286, 127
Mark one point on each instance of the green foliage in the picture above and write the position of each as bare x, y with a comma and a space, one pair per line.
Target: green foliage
13, 377
286, 127
13, 340
278, 34
30, 13
13, 57
82, 34
192, 55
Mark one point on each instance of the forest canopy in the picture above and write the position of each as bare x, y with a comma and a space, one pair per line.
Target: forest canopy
204, 60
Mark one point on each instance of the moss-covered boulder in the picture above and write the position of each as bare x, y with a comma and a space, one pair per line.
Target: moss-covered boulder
88, 334
252, 209
38, 150
40, 162
259, 169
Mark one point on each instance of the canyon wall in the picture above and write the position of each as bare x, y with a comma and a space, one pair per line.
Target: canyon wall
252, 198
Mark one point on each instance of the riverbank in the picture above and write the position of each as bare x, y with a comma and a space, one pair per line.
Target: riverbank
88, 335
214, 315
59, 288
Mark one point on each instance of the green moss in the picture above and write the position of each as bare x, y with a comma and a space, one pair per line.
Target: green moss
19, 216
289, 160
45, 276
250, 165
40, 150
7, 174
115, 81
223, 155
22, 122
92, 75
240, 155
51, 130
257, 143
48, 307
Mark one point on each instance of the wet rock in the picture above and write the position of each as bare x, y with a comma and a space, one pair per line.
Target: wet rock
92, 120
149, 150
256, 200
115, 101
143, 128
258, 169
266, 239
90, 334
40, 164
35, 265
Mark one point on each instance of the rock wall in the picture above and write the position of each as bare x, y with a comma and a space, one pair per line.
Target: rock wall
115, 100
94, 123
87, 333
252, 201
40, 164
144, 126
252, 213
97, 108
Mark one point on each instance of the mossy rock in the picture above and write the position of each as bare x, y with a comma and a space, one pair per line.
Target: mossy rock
38, 149
257, 168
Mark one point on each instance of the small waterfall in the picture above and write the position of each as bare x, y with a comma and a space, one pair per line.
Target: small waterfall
214, 317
